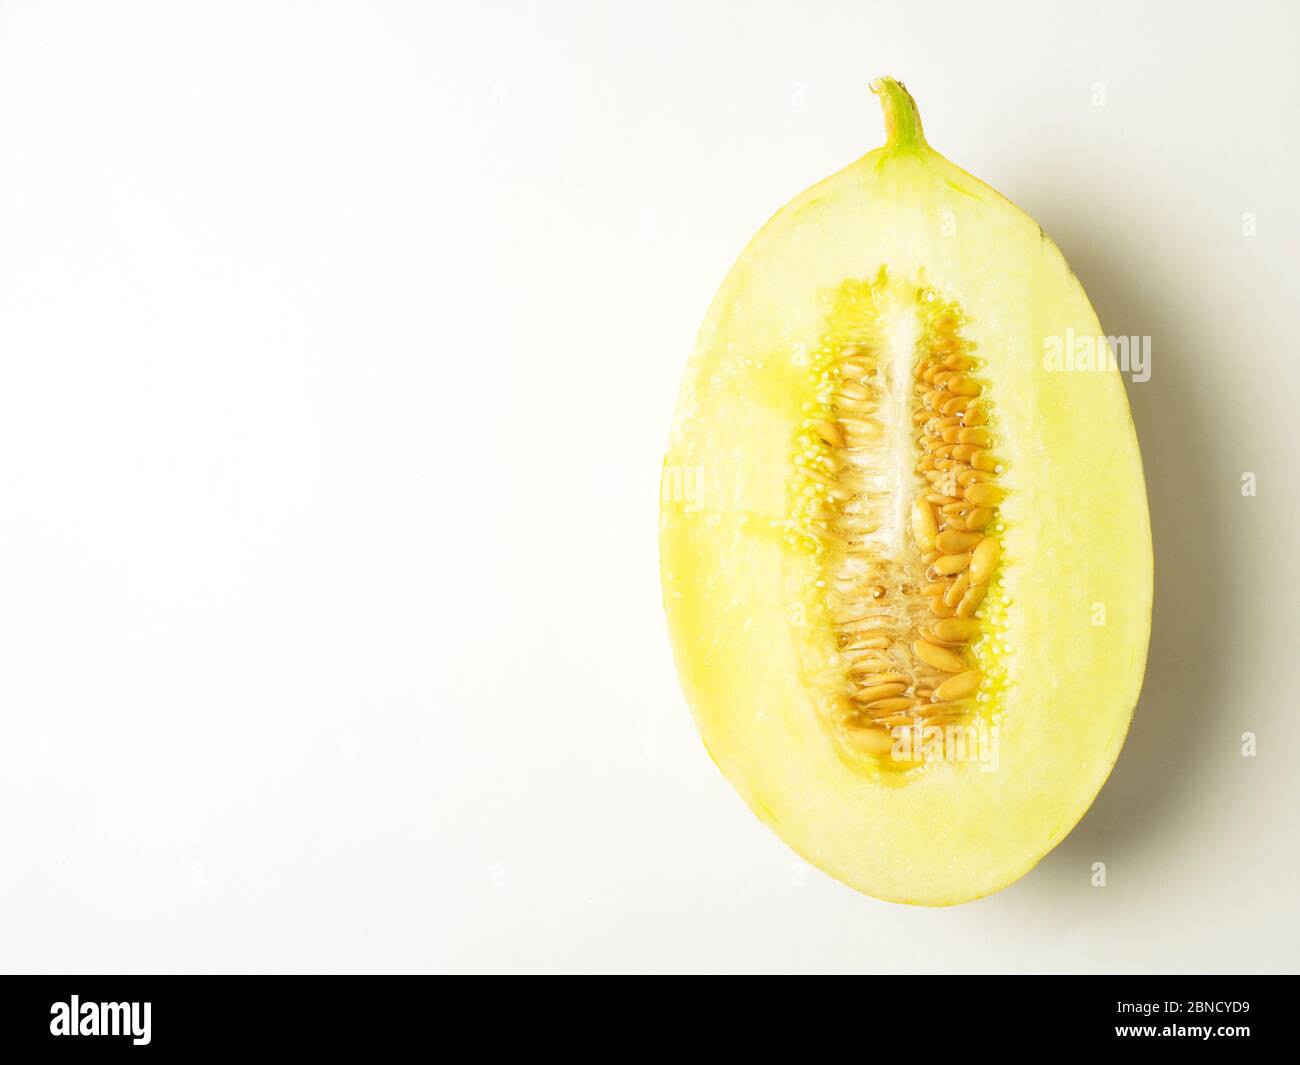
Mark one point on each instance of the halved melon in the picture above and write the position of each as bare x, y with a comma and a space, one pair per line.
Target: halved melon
905, 544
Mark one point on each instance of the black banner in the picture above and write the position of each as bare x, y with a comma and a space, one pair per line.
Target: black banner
161, 1014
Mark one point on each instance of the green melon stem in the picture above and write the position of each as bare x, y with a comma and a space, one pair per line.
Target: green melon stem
902, 119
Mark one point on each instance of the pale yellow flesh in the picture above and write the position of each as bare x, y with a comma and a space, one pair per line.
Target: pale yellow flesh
1076, 548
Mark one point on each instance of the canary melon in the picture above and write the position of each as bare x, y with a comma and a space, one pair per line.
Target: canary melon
905, 547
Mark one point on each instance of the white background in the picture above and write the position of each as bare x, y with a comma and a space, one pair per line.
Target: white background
340, 343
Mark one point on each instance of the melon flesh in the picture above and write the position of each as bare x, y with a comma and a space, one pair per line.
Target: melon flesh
1069, 611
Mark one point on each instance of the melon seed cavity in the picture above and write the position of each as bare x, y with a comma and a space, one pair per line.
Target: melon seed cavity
898, 488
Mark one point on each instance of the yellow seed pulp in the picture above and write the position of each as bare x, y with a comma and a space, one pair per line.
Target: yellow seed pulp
897, 489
